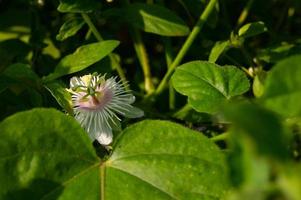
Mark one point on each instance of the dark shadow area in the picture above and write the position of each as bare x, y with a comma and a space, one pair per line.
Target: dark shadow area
38, 189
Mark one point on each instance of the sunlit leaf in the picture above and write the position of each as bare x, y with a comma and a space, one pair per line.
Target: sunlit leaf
252, 29
207, 85
82, 58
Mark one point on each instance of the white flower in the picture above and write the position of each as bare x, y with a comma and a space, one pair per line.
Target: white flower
96, 103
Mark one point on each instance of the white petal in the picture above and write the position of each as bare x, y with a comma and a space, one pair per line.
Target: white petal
133, 112
105, 138
75, 81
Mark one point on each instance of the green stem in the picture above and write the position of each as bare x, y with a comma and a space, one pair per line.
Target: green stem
244, 14
192, 36
144, 61
220, 137
169, 57
112, 57
186, 108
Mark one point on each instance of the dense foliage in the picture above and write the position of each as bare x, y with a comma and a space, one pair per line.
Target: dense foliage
217, 106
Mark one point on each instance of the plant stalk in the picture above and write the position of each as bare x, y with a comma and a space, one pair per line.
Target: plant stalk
192, 36
220, 137
144, 61
169, 57
244, 14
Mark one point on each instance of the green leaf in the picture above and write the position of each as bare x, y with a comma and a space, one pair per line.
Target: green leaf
218, 49
70, 28
163, 160
262, 126
82, 58
62, 96
275, 53
252, 29
78, 6
283, 88
208, 85
155, 19
46, 155
22, 73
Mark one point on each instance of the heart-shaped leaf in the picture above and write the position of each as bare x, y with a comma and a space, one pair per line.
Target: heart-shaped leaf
166, 161
82, 58
155, 19
282, 91
208, 85
46, 155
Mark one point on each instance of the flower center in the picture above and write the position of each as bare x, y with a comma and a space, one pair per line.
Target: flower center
95, 100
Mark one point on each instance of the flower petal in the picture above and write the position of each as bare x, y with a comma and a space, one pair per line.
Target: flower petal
133, 112
104, 137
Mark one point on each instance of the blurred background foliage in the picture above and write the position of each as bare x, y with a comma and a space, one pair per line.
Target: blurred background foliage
30, 34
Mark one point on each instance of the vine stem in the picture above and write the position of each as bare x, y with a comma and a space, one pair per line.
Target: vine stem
112, 57
144, 61
192, 36
186, 108
220, 137
168, 58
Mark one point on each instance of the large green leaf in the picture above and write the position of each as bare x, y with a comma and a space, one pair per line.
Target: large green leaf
208, 85
82, 58
78, 6
70, 28
46, 155
155, 19
166, 161
283, 87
